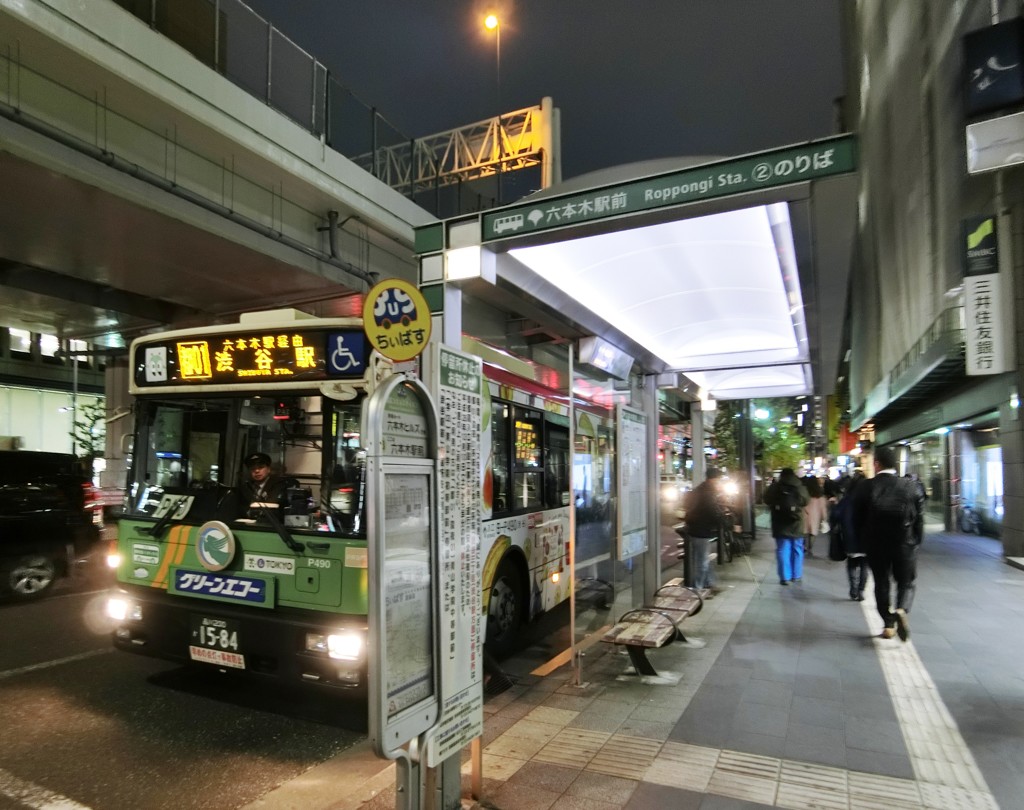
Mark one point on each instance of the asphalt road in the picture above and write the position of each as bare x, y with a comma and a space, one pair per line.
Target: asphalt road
84, 726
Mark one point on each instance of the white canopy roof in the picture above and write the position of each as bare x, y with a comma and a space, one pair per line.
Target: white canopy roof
715, 296
744, 294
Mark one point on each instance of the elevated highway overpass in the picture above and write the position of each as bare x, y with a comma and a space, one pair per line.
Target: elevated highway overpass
142, 188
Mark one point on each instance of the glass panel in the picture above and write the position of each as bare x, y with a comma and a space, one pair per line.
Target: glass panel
556, 480
191, 24
344, 498
21, 341
291, 79
49, 345
501, 457
257, 460
526, 490
527, 437
243, 46
81, 346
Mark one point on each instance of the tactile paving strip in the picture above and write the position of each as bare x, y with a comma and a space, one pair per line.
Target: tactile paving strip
625, 756
573, 747
947, 774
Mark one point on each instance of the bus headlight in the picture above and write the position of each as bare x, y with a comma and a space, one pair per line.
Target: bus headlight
345, 645
348, 646
121, 609
113, 559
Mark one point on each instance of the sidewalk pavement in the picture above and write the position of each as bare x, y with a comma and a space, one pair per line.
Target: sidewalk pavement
792, 701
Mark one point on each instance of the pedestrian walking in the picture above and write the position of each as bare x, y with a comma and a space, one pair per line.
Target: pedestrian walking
853, 549
815, 513
703, 521
787, 498
888, 519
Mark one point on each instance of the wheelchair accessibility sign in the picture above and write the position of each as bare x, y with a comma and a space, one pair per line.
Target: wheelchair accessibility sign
396, 319
346, 353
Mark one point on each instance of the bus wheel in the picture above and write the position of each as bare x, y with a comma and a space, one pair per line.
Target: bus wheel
30, 576
506, 609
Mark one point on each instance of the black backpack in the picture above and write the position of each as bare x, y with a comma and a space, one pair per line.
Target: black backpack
787, 506
893, 506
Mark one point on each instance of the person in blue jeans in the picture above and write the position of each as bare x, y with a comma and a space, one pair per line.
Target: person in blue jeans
787, 498
703, 521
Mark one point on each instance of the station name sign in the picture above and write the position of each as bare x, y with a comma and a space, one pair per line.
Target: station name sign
763, 170
252, 358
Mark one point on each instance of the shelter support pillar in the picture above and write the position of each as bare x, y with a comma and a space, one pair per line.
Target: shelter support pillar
652, 559
746, 470
697, 443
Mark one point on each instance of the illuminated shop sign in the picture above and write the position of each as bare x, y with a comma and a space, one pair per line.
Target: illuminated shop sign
253, 357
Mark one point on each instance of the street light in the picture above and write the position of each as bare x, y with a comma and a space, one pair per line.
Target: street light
492, 23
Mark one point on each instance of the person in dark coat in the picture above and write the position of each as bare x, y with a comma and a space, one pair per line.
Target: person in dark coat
703, 521
856, 556
891, 538
787, 498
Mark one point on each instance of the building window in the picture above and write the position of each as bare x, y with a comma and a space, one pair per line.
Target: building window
21, 342
81, 346
49, 345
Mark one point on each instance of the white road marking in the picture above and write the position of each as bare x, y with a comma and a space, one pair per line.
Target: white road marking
34, 796
10, 673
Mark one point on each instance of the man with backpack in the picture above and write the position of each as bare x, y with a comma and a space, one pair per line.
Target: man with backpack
888, 513
787, 498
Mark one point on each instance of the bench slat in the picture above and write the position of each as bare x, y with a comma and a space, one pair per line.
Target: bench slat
645, 635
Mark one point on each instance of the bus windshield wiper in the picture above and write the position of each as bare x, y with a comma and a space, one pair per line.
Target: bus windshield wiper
282, 532
158, 528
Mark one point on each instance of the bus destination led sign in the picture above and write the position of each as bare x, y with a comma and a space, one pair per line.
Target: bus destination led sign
253, 357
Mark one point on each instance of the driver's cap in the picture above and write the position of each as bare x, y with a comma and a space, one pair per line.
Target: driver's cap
257, 460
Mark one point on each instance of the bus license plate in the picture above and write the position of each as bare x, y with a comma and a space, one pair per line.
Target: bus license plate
216, 641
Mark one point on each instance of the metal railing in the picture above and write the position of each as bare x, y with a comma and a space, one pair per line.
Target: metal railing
947, 327
232, 39
91, 126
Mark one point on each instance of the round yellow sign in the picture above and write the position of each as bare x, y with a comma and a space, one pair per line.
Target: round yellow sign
396, 319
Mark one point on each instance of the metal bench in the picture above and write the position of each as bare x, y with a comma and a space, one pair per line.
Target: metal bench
656, 624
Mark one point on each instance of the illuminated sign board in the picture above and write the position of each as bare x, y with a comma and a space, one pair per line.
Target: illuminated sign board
396, 319
778, 167
252, 357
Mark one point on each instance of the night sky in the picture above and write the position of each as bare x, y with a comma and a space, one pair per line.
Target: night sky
634, 79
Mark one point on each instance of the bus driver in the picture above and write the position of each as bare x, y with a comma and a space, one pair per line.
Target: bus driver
262, 487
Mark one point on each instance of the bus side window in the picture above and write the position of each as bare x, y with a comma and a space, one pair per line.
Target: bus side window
500, 461
556, 467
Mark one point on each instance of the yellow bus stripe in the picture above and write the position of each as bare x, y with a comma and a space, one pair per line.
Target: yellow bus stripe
161, 572
173, 550
182, 545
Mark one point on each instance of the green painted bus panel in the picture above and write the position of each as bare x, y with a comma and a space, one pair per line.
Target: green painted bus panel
329, 575
355, 590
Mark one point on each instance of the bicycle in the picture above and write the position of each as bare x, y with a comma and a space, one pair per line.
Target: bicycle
730, 543
726, 543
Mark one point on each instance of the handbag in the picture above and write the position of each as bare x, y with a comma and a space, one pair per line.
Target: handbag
823, 527
836, 552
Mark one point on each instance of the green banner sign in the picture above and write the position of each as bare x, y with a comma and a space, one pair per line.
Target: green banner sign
771, 169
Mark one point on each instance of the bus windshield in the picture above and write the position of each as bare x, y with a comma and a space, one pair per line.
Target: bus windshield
194, 456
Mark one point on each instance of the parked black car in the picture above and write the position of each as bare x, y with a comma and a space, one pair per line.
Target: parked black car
49, 520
